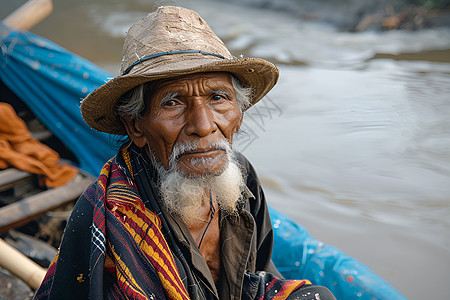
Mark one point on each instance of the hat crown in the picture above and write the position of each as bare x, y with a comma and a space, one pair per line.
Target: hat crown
170, 28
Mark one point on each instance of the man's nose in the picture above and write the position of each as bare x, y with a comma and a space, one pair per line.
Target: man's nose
200, 121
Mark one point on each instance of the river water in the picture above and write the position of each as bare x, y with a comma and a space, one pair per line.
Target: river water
353, 142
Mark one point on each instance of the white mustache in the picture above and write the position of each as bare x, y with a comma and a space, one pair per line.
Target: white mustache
180, 149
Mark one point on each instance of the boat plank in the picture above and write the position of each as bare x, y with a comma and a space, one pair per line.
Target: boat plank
11, 177
23, 211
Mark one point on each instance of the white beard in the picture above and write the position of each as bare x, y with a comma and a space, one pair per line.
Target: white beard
184, 195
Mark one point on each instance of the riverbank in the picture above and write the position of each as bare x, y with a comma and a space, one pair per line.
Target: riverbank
357, 16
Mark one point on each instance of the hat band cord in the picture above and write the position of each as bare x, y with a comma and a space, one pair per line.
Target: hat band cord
148, 57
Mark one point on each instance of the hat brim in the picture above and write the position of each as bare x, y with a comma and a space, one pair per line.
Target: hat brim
98, 108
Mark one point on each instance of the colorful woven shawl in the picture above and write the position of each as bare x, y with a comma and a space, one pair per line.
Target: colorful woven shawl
129, 256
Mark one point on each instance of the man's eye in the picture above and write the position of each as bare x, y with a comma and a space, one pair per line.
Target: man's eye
170, 103
170, 99
217, 97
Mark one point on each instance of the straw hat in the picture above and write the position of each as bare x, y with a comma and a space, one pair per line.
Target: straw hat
170, 42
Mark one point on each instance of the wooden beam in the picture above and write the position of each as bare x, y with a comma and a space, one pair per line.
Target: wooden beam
20, 265
42, 135
29, 14
11, 177
21, 212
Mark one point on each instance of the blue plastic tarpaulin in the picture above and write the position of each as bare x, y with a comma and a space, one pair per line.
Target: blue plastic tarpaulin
51, 81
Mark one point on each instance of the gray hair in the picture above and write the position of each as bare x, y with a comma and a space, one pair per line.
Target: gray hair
131, 105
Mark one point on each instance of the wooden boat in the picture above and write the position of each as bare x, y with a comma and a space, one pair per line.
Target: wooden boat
51, 81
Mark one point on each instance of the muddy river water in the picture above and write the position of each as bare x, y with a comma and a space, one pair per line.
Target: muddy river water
354, 141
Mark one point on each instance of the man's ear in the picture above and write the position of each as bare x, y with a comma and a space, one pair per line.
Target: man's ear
135, 132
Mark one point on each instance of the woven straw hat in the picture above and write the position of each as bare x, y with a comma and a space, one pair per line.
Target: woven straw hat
170, 42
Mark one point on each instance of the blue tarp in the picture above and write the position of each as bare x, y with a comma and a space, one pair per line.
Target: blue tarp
51, 81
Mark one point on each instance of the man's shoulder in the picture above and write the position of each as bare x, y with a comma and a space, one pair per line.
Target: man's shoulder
244, 162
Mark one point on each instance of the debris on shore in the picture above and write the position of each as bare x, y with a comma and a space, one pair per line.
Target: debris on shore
357, 16
408, 18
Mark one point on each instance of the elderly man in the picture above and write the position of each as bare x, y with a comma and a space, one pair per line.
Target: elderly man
176, 214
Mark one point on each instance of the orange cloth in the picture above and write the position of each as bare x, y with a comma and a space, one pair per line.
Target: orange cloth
19, 149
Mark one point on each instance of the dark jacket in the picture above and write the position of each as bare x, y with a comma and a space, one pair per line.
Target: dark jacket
246, 247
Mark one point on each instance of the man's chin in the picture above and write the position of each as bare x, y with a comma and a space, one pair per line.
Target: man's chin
183, 193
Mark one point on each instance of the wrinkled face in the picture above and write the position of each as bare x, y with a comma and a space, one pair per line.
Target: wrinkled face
199, 108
